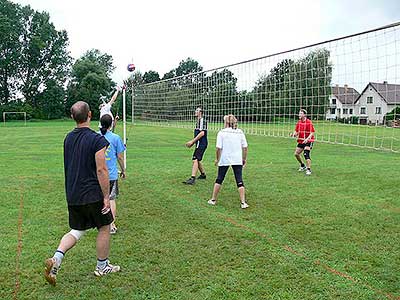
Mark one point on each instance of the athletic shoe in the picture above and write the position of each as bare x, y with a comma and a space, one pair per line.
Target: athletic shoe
109, 268
308, 172
212, 202
189, 181
301, 169
202, 176
51, 270
113, 229
244, 205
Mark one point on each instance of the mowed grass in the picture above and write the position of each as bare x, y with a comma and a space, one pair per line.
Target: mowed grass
334, 235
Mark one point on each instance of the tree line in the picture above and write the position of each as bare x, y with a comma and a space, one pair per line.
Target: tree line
38, 76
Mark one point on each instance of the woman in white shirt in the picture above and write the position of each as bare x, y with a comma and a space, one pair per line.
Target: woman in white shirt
231, 151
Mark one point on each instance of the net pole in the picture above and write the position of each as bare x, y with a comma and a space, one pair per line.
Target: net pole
124, 121
132, 101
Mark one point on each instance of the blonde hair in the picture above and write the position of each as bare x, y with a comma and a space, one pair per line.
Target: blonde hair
231, 121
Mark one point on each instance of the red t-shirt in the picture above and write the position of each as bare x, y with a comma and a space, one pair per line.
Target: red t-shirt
304, 128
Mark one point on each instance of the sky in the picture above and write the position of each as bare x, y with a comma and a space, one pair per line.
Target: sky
157, 35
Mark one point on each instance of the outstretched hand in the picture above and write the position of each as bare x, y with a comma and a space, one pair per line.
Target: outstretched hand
189, 144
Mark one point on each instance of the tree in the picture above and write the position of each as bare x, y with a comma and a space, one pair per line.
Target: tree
291, 85
51, 101
188, 66
151, 76
90, 80
43, 54
10, 29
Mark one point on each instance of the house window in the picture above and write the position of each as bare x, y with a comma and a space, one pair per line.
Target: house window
333, 111
345, 111
338, 111
362, 110
378, 110
350, 111
369, 100
334, 101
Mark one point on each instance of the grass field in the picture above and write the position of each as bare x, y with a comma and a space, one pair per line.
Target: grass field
334, 235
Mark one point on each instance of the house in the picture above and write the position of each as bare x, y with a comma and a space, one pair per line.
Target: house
375, 101
341, 102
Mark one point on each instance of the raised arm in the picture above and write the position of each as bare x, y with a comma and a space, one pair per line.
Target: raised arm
114, 97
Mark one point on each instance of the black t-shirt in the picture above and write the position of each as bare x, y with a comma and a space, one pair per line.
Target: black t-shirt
81, 183
201, 125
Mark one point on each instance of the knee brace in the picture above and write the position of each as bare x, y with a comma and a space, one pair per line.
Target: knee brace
77, 234
307, 154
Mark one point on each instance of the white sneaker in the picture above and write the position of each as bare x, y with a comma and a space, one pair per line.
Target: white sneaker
308, 172
109, 268
212, 202
301, 169
244, 205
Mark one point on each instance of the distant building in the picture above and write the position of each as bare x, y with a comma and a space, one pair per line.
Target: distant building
375, 101
341, 102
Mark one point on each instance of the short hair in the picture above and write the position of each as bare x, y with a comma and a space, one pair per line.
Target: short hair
80, 112
199, 108
303, 111
231, 120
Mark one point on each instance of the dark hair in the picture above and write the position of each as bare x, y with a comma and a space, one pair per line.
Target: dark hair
106, 122
80, 112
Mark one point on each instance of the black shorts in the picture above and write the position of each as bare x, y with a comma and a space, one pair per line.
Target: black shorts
302, 146
83, 217
198, 153
237, 171
114, 189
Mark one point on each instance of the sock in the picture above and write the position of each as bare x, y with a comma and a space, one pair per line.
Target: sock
302, 165
58, 255
204, 174
193, 177
309, 169
102, 263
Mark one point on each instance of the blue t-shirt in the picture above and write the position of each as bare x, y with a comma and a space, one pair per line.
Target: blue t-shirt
116, 146
81, 183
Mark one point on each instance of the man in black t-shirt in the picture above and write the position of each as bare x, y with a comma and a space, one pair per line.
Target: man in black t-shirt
87, 192
201, 142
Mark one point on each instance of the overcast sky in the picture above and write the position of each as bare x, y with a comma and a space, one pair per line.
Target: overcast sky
157, 35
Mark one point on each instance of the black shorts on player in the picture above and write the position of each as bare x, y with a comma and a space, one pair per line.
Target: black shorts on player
83, 217
198, 153
302, 146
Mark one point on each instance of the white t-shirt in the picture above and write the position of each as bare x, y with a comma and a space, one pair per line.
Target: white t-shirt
106, 110
231, 141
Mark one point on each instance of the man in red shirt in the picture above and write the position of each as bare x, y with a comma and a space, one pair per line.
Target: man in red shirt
304, 132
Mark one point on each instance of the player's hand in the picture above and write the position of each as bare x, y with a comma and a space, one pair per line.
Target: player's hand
244, 162
189, 144
118, 88
216, 162
122, 175
106, 205
305, 141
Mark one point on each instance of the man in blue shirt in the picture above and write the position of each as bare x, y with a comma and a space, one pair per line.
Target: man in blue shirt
201, 142
87, 191
114, 154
